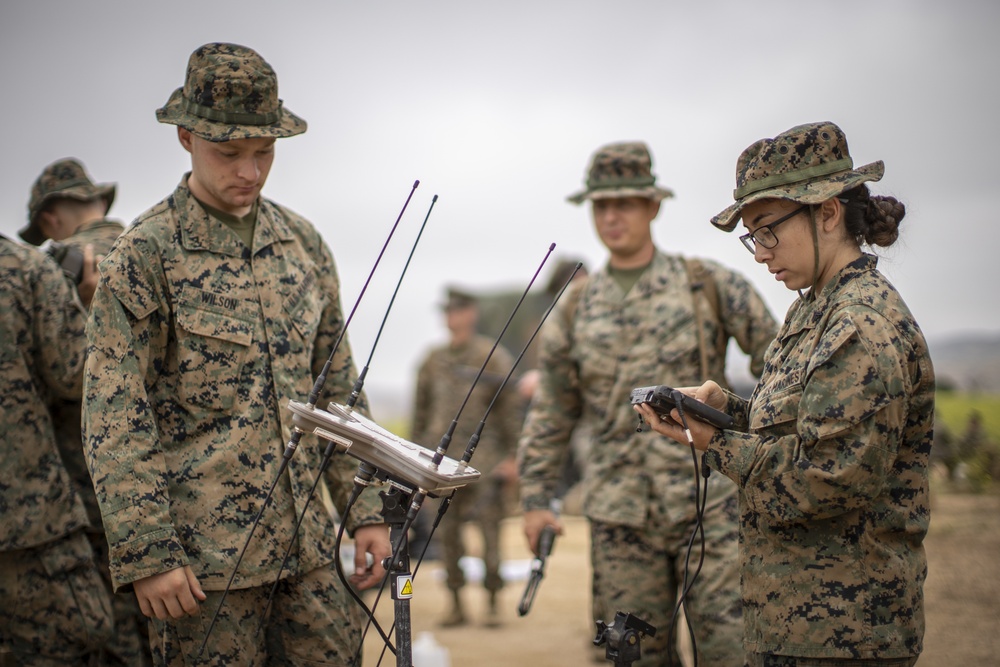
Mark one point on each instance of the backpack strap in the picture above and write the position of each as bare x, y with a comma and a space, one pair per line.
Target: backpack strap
702, 281
572, 297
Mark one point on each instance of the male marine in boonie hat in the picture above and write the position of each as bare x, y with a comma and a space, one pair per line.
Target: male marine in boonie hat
230, 92
63, 179
621, 170
807, 164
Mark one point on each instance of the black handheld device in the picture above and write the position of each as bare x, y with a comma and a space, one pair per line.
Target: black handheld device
661, 397
70, 260
545, 541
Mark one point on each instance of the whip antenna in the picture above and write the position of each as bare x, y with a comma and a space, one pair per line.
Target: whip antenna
474, 440
296, 436
360, 383
442, 448
330, 448
321, 379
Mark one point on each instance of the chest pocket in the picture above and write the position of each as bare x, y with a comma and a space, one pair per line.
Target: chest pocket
212, 345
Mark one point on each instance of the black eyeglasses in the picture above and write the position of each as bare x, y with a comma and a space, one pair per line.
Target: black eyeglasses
765, 235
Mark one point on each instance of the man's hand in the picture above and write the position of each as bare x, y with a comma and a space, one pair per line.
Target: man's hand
535, 521
88, 281
528, 384
505, 470
372, 540
171, 594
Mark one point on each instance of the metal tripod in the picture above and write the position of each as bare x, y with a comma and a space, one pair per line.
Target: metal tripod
394, 506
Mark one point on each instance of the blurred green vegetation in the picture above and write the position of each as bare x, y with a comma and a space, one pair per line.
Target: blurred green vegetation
955, 407
967, 438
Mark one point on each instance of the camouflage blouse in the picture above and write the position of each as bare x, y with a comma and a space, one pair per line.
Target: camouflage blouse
67, 413
197, 342
443, 382
832, 471
41, 359
597, 346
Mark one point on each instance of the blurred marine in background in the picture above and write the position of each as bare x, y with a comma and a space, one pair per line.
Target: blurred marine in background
596, 347
55, 609
443, 381
69, 211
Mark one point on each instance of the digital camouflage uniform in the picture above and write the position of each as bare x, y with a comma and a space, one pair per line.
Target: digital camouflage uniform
56, 610
495, 309
67, 413
639, 489
443, 381
67, 179
197, 342
832, 458
833, 476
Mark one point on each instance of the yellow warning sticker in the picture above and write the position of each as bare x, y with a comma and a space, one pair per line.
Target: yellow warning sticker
404, 584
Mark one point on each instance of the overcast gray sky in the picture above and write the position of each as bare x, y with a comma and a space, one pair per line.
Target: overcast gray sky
496, 107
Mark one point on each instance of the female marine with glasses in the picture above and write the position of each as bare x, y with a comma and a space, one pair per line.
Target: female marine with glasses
830, 452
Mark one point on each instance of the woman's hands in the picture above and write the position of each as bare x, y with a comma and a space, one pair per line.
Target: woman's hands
698, 434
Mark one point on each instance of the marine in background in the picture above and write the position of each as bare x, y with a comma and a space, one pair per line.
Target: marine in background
57, 610
444, 379
69, 211
645, 318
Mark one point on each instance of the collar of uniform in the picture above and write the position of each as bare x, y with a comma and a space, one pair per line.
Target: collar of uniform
657, 275
808, 312
271, 225
98, 224
200, 231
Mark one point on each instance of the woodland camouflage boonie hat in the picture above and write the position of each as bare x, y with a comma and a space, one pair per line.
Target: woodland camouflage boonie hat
807, 164
230, 92
621, 170
67, 179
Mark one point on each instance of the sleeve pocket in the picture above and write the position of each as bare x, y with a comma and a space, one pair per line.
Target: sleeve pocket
845, 387
777, 410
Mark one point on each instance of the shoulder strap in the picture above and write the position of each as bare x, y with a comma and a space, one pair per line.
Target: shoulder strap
702, 280
572, 297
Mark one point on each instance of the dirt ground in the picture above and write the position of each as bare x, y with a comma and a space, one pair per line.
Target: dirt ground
962, 592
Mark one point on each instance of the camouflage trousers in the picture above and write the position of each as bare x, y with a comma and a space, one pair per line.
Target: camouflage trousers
762, 660
312, 621
485, 509
56, 610
641, 571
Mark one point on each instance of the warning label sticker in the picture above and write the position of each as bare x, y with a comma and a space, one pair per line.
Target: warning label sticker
404, 586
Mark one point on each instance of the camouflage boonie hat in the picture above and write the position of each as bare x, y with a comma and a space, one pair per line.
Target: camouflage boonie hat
458, 298
807, 164
67, 179
230, 92
621, 170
